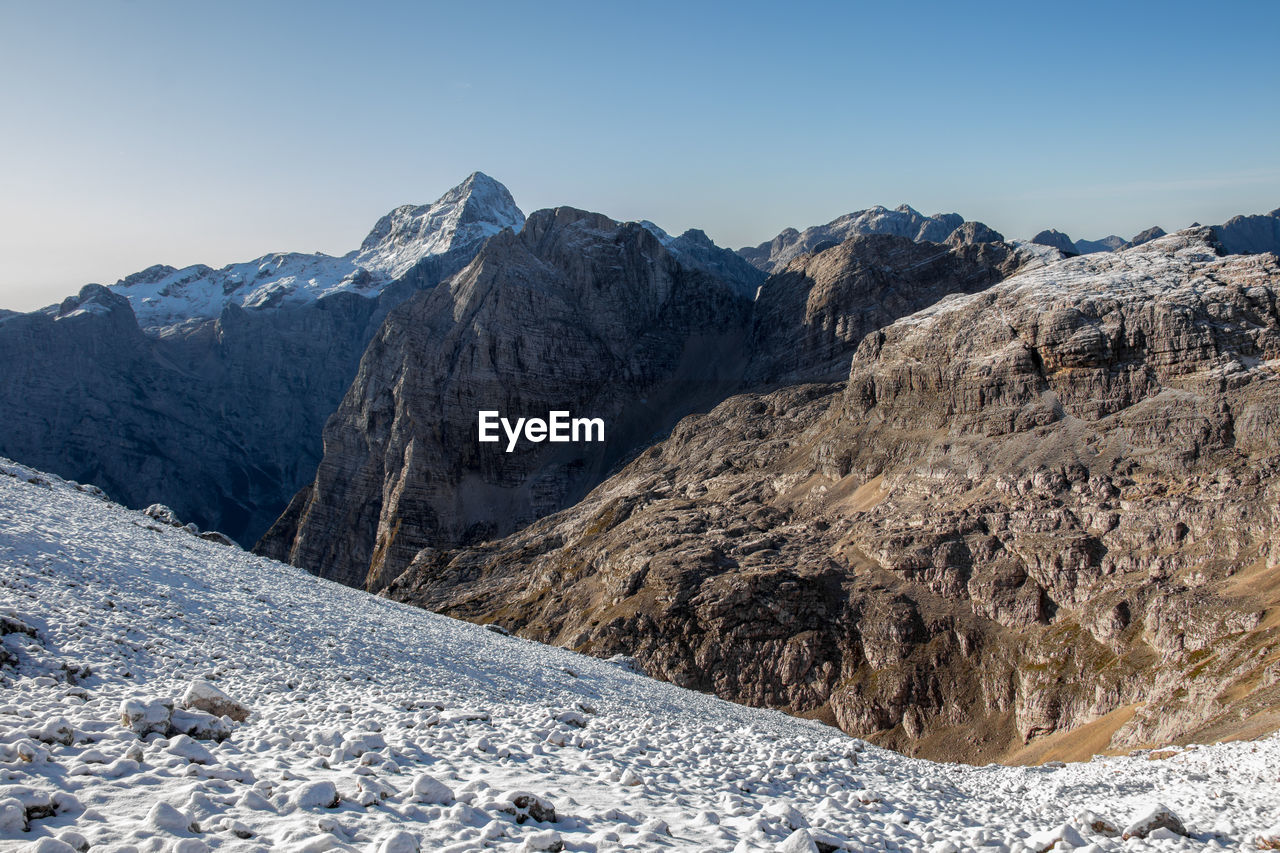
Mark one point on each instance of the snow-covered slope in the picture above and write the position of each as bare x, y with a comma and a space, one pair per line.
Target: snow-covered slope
474, 210
376, 726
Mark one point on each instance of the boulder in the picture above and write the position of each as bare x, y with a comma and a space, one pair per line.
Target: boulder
526, 806
146, 716
399, 841
163, 514
429, 789
13, 815
799, 841
1060, 837
316, 795
547, 840
1158, 816
203, 696
165, 818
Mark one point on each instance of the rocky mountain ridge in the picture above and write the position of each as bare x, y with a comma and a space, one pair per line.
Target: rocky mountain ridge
813, 312
902, 221
1239, 235
962, 496
1037, 513
435, 240
577, 313
600, 319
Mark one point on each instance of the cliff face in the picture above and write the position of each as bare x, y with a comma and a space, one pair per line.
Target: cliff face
218, 421
582, 314
811, 315
576, 313
1250, 234
1047, 506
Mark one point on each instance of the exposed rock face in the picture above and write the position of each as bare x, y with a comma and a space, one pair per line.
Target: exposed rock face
1251, 234
576, 313
1027, 508
811, 315
695, 249
220, 422
970, 233
1055, 239
403, 469
217, 408
903, 221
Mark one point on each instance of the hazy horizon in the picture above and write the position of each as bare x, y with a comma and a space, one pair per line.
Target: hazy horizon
143, 134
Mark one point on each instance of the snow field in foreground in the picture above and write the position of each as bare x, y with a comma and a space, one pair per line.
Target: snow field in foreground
377, 726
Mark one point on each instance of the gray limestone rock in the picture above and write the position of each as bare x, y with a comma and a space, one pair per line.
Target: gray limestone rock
811, 314
1025, 508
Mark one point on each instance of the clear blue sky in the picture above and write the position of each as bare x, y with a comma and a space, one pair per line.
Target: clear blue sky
143, 132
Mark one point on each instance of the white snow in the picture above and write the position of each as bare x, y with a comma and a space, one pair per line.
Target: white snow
376, 726
477, 208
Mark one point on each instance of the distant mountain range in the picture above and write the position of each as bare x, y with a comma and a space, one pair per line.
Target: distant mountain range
902, 221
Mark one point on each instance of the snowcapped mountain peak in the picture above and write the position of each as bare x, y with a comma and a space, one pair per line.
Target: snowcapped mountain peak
458, 222
477, 208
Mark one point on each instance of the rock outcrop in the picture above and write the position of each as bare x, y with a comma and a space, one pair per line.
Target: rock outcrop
600, 319
970, 233
1045, 504
1155, 232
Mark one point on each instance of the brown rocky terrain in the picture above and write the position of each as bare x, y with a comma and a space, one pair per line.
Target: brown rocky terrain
1035, 520
598, 318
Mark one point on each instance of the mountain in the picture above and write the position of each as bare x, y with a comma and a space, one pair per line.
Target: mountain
1038, 519
597, 318
1110, 243
576, 313
1055, 239
695, 249
1153, 233
433, 241
355, 723
1251, 234
812, 313
208, 389
1117, 244
902, 221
